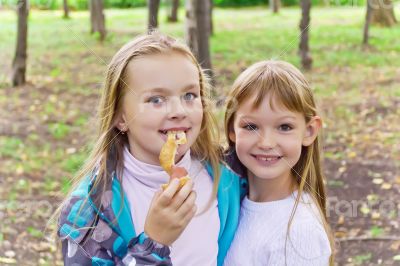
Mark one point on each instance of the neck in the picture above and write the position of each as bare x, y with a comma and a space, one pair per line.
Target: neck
264, 190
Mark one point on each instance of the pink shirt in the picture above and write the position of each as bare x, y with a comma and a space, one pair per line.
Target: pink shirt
198, 244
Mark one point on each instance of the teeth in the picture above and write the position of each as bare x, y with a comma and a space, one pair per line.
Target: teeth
268, 159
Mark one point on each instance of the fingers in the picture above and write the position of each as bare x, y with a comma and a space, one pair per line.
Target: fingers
182, 195
189, 215
167, 195
187, 205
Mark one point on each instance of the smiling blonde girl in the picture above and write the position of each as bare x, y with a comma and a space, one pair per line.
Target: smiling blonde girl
272, 126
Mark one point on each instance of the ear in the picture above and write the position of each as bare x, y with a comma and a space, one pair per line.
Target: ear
232, 136
120, 122
312, 130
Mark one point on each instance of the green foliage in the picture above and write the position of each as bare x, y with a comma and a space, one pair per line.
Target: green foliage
59, 130
83, 4
35, 232
361, 259
241, 3
9, 146
238, 3
124, 3
74, 162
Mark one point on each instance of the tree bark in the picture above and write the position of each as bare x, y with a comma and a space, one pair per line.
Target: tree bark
153, 6
97, 18
19, 62
367, 23
173, 16
66, 9
197, 32
275, 5
304, 50
382, 12
211, 30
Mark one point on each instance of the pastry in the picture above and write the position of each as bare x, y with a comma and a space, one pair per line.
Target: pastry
167, 158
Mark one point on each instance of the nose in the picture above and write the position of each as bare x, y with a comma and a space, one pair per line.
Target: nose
267, 141
176, 109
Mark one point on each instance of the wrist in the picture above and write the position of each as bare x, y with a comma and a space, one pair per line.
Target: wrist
151, 245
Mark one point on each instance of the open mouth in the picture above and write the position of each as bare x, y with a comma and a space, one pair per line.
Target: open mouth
165, 132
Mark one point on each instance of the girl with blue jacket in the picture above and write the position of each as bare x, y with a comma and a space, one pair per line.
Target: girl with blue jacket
117, 213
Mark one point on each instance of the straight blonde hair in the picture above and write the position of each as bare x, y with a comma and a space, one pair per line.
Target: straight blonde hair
107, 153
287, 86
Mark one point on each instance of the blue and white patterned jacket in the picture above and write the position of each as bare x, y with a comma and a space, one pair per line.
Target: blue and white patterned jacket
105, 235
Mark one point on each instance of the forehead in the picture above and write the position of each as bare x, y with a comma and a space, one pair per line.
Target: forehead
163, 70
268, 103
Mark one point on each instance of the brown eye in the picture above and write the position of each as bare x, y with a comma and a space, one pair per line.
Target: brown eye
250, 127
285, 127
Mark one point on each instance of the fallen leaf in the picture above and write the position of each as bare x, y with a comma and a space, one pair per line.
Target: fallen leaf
341, 219
377, 181
352, 154
375, 215
7, 260
10, 253
386, 186
395, 245
340, 234
365, 210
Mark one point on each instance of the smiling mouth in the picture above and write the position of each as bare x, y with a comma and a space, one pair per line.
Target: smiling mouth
267, 158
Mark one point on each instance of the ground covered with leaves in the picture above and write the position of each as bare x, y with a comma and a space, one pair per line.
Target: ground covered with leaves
46, 126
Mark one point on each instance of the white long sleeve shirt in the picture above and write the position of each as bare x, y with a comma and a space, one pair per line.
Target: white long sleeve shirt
261, 235
198, 244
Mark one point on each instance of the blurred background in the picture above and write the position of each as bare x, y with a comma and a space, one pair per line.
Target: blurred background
53, 55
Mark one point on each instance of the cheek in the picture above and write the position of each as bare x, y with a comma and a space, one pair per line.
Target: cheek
244, 141
196, 112
294, 145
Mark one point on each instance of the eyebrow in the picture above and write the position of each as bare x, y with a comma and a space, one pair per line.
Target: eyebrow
164, 90
247, 117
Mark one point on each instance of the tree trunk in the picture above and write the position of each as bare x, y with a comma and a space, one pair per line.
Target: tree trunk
66, 9
367, 23
173, 16
275, 5
306, 59
97, 18
153, 14
19, 62
211, 30
197, 31
382, 12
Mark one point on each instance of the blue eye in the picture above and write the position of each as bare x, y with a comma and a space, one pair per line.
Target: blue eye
190, 96
285, 127
250, 127
156, 100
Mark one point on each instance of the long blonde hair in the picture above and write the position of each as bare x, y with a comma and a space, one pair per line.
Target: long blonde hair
286, 84
107, 153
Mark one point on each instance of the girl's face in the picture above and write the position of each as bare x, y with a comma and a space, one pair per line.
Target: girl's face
268, 142
163, 95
